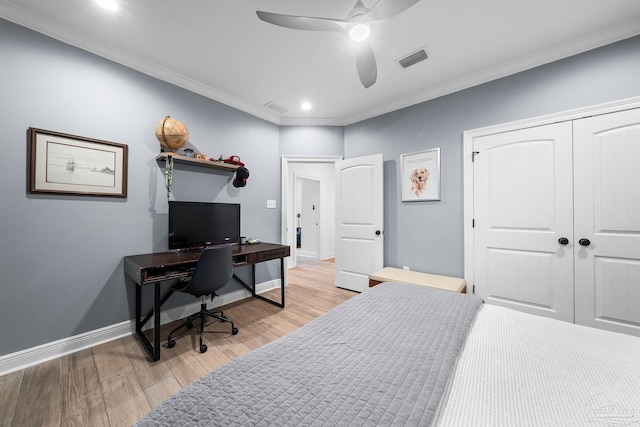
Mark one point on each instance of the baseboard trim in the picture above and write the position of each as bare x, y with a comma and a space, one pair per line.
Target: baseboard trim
35, 355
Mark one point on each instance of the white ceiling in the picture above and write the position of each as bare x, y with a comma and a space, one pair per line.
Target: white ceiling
220, 49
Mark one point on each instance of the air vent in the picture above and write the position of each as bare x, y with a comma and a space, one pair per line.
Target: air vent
275, 107
413, 58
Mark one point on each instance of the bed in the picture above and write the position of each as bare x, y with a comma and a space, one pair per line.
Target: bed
401, 354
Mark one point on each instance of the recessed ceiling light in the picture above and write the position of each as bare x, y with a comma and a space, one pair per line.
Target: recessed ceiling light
111, 5
306, 106
359, 32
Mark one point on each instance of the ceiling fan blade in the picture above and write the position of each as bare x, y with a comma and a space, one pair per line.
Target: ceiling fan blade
366, 64
385, 9
301, 22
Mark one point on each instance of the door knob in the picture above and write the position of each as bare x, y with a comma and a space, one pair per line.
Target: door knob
584, 242
377, 232
563, 241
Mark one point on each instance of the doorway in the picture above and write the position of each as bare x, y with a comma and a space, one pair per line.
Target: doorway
322, 170
307, 207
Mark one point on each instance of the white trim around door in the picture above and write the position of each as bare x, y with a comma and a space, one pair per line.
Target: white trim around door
288, 224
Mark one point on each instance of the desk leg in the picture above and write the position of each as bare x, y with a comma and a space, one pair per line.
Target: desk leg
253, 279
138, 309
282, 280
156, 323
153, 350
252, 288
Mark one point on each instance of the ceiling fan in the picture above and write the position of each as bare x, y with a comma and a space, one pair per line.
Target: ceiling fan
355, 25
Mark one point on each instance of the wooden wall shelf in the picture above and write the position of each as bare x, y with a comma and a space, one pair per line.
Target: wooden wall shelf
198, 162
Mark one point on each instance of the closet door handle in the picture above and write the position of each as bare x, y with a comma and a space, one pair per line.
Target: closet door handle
563, 241
584, 242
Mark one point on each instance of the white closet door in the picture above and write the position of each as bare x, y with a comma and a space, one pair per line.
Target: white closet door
523, 206
607, 203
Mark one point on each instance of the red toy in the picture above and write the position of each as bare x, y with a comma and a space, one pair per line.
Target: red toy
234, 160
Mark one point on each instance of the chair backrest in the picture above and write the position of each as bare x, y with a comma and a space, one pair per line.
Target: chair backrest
213, 270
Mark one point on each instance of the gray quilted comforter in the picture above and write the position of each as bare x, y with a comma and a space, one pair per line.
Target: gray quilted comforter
381, 358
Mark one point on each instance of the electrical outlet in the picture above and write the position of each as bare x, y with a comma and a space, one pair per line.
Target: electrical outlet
406, 267
271, 204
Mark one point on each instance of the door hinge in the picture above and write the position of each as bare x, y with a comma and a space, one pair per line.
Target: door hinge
473, 155
473, 223
473, 289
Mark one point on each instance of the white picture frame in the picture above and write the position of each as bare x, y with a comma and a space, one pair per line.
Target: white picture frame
420, 175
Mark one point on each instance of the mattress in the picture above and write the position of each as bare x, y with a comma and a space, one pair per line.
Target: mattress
517, 369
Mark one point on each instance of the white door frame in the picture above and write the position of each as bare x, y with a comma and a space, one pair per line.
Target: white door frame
287, 217
467, 152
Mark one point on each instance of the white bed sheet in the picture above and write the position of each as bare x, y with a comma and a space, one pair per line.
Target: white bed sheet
517, 369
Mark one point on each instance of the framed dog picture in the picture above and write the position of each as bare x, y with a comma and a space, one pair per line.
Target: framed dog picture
420, 175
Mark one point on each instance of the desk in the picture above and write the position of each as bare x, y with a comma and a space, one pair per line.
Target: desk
155, 268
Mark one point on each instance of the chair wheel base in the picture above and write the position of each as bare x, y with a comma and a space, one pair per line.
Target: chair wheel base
171, 343
234, 331
203, 348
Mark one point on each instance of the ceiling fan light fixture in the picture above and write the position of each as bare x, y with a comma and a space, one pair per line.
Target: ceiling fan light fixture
359, 32
356, 25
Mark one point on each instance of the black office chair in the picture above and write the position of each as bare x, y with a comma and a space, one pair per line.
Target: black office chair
213, 270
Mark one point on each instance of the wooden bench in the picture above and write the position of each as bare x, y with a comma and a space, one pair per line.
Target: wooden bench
390, 274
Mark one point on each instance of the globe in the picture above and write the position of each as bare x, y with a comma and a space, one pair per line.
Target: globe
172, 133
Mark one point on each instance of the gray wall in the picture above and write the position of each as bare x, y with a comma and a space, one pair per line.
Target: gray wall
61, 256
428, 236
312, 141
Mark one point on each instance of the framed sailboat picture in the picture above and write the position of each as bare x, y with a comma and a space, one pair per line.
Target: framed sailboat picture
68, 164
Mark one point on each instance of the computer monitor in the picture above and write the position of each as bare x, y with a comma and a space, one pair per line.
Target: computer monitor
198, 224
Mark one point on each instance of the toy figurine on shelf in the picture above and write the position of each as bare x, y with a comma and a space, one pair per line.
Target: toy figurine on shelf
234, 160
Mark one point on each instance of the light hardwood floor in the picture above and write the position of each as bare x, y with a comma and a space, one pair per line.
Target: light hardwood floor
116, 384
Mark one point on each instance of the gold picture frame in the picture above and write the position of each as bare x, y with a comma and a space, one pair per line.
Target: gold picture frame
60, 163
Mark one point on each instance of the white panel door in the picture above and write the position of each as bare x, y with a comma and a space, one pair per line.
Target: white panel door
523, 212
359, 221
607, 203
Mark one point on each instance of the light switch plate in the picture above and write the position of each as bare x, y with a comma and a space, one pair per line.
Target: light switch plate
271, 204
